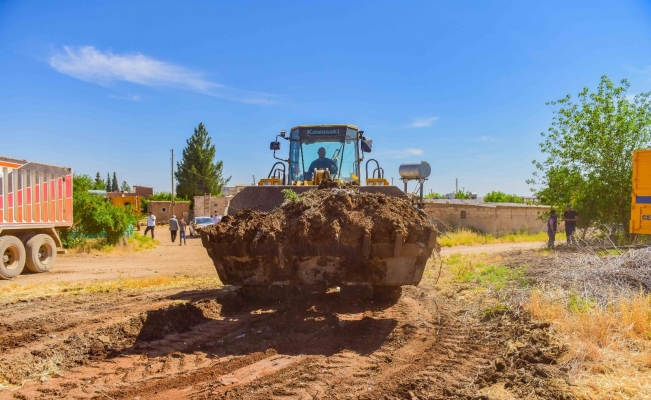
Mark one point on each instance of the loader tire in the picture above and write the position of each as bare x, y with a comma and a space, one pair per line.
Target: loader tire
41, 253
387, 293
12, 253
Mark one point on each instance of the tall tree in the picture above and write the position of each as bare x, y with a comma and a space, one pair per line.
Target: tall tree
98, 184
108, 182
198, 173
589, 149
114, 184
125, 187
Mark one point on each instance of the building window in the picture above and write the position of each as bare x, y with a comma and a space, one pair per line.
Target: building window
463, 215
163, 209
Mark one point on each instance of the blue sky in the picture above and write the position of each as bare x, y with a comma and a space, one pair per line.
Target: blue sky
113, 86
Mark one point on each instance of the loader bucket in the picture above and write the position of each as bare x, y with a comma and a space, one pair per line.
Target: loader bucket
353, 237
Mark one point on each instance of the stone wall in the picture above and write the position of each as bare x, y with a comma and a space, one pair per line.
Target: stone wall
497, 219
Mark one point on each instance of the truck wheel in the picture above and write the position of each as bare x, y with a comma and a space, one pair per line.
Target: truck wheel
12, 252
41, 253
25, 238
387, 293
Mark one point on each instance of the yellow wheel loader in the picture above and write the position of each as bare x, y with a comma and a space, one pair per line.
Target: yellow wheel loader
377, 264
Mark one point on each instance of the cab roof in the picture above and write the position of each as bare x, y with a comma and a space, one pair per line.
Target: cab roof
325, 125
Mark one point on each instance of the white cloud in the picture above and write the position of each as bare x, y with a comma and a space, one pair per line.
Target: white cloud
128, 98
401, 153
103, 68
422, 122
486, 139
638, 70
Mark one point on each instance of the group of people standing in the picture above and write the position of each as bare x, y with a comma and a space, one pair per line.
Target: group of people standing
177, 226
570, 217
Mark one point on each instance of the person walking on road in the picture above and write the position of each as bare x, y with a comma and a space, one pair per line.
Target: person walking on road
552, 226
174, 227
182, 226
151, 224
216, 218
571, 217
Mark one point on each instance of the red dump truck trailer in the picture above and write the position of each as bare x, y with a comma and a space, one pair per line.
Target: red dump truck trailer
35, 199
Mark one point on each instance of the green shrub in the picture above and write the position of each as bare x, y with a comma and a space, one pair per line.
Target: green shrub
290, 195
501, 197
166, 196
434, 195
462, 194
94, 215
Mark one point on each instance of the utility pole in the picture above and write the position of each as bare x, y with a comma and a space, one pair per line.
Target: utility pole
172, 181
391, 181
456, 185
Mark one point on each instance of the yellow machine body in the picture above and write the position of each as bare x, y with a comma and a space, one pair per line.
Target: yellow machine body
641, 207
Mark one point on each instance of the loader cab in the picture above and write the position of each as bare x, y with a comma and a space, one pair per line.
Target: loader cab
341, 144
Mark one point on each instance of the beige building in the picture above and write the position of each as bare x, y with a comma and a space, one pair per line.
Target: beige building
207, 205
497, 219
143, 191
163, 210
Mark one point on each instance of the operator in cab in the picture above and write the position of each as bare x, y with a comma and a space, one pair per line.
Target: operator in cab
321, 163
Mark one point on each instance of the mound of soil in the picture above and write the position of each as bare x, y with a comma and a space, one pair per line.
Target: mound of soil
330, 214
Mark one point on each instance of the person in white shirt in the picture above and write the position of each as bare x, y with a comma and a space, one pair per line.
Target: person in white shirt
151, 224
216, 218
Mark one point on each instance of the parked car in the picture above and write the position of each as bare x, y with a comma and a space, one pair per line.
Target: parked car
199, 222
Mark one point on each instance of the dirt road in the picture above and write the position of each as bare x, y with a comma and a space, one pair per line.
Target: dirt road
171, 259
491, 248
166, 259
214, 344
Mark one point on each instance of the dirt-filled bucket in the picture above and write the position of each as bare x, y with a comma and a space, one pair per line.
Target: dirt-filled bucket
331, 236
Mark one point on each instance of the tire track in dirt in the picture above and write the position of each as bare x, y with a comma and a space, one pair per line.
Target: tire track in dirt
215, 345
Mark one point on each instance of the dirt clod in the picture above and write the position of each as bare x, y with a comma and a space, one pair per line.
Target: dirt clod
330, 213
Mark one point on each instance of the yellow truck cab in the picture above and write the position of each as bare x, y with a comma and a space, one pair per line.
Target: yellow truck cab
641, 208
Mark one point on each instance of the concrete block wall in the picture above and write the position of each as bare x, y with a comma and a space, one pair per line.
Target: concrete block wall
494, 218
207, 205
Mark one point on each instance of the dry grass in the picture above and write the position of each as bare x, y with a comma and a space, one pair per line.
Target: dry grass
15, 292
609, 346
467, 237
608, 337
